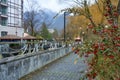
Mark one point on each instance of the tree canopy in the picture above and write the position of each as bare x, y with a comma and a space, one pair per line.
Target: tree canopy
45, 33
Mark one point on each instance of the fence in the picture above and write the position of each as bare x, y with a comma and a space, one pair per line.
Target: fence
15, 67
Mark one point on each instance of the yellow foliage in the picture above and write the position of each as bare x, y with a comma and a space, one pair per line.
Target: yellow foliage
77, 22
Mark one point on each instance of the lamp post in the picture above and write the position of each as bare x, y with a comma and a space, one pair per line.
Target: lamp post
83, 35
64, 26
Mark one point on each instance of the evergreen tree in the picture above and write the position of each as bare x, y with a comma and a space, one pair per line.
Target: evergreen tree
45, 33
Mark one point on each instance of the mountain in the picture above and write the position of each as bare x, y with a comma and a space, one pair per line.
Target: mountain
57, 23
47, 16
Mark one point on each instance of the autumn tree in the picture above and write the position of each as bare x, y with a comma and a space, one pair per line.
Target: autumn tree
76, 25
55, 34
85, 14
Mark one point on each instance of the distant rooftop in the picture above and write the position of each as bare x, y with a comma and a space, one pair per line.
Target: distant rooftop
14, 37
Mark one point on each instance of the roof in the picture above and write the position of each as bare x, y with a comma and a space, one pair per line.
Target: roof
10, 36
78, 39
28, 37
14, 37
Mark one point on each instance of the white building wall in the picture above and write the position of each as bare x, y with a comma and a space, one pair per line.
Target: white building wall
14, 19
15, 13
12, 30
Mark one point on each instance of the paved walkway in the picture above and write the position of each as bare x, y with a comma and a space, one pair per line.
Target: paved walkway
62, 69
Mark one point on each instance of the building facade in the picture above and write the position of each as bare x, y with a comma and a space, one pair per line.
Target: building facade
11, 17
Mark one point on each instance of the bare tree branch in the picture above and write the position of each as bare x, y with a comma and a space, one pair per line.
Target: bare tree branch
33, 17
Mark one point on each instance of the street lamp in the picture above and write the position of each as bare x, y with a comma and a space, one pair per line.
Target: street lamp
64, 27
83, 34
106, 26
66, 13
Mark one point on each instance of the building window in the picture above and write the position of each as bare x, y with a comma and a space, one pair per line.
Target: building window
3, 10
4, 1
4, 33
3, 21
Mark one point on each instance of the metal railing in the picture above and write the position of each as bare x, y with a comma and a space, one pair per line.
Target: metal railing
8, 49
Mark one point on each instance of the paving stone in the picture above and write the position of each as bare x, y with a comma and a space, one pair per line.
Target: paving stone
63, 69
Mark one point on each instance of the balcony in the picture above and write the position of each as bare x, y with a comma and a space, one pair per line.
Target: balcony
4, 14
4, 3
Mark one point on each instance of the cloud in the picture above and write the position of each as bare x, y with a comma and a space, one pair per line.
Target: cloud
53, 5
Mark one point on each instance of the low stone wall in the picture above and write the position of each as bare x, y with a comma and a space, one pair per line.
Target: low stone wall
16, 67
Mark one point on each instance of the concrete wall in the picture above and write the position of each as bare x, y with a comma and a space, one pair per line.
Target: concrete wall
16, 67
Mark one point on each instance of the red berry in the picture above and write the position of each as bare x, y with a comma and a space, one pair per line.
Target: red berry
90, 26
106, 14
116, 14
95, 52
117, 38
118, 45
104, 30
115, 26
77, 51
96, 46
110, 21
111, 56
88, 52
94, 75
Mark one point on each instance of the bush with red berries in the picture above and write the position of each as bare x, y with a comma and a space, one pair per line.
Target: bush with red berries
104, 53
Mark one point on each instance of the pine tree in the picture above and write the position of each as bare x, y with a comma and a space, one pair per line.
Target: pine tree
45, 33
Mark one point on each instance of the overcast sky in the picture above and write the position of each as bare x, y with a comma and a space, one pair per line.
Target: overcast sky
53, 5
